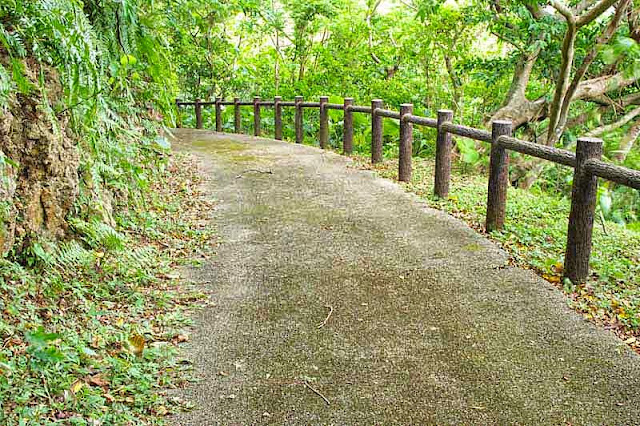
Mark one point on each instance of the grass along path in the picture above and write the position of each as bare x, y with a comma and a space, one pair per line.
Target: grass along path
535, 236
90, 333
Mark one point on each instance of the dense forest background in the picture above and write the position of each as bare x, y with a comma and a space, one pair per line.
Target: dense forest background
557, 70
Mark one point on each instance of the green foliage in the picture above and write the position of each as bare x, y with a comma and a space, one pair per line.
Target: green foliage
66, 322
433, 53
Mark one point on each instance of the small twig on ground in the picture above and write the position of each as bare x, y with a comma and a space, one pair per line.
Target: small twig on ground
266, 172
604, 228
306, 383
323, 323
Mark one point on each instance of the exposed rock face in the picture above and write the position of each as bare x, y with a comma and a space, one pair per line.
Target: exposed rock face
35, 196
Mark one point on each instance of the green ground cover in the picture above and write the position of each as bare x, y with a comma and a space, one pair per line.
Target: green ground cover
91, 330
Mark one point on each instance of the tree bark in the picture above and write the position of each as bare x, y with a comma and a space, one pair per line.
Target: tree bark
579, 74
627, 142
568, 49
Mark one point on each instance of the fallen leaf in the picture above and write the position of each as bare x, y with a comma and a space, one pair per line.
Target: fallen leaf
136, 344
76, 386
97, 380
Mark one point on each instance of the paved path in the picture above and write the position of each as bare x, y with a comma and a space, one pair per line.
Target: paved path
429, 326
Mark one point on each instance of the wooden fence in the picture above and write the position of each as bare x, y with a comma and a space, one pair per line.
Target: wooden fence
586, 161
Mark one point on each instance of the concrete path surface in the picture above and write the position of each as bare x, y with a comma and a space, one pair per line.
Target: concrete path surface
331, 283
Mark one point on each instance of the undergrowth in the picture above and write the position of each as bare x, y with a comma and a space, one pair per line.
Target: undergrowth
90, 331
535, 235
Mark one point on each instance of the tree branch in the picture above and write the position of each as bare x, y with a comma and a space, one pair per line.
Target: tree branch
593, 13
568, 49
627, 142
615, 125
579, 74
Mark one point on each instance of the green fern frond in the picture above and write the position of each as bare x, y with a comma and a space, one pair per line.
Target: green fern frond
72, 254
99, 235
141, 256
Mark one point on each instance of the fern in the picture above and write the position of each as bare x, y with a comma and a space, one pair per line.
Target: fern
99, 235
141, 256
73, 255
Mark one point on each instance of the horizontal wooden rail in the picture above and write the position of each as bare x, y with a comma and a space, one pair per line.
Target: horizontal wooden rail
334, 106
585, 161
354, 108
467, 132
559, 156
387, 113
617, 174
421, 121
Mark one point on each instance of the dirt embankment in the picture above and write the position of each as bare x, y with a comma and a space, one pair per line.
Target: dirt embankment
38, 164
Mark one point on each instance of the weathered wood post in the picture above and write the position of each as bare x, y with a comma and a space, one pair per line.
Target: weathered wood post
256, 116
498, 177
277, 117
376, 132
178, 114
218, 115
583, 206
237, 119
347, 135
406, 143
298, 119
198, 114
324, 122
443, 155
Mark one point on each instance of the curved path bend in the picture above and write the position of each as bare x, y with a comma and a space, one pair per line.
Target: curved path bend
429, 324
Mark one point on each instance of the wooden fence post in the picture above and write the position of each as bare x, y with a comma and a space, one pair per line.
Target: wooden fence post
256, 116
277, 117
298, 120
178, 114
443, 155
498, 177
198, 114
218, 115
237, 119
406, 144
347, 135
324, 122
376, 132
583, 206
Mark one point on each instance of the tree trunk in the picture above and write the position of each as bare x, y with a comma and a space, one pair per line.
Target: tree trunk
568, 49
